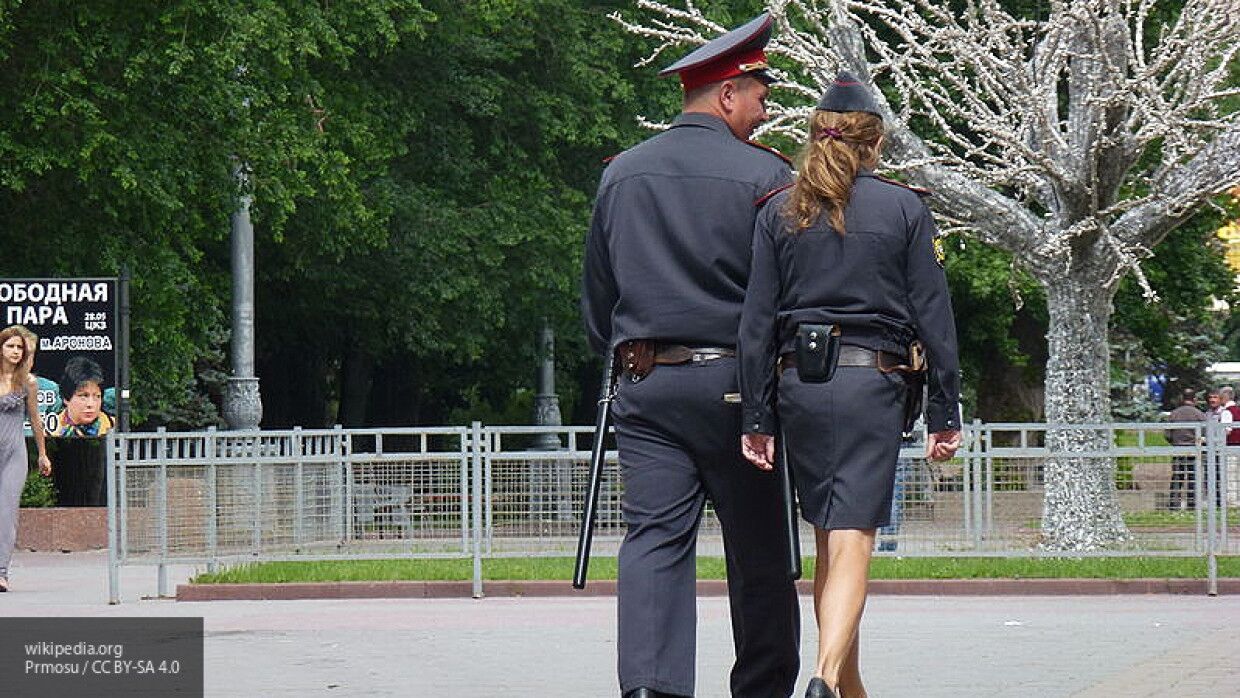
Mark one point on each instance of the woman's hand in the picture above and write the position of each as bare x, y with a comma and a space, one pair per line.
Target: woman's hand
759, 449
45, 465
942, 445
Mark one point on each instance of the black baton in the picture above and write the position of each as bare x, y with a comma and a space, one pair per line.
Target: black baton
586, 535
790, 509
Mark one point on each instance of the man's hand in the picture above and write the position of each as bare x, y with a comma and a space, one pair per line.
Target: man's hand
759, 449
942, 445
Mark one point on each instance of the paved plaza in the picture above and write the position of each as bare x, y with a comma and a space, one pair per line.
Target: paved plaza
560, 648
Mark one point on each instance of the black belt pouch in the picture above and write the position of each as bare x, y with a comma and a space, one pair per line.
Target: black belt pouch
818, 352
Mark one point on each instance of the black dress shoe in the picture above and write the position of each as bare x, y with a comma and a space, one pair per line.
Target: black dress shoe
819, 689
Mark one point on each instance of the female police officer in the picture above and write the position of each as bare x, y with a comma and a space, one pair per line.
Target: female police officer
846, 273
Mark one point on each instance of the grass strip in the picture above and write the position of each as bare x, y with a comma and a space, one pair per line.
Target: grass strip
561, 568
1139, 519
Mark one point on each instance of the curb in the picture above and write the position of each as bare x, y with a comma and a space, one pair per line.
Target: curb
558, 588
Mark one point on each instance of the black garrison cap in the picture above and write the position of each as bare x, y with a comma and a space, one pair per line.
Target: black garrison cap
846, 93
739, 52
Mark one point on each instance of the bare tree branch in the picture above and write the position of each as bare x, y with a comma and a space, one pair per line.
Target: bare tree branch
1029, 132
1181, 191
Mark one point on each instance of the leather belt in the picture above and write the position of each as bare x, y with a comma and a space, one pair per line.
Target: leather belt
672, 354
851, 355
638, 357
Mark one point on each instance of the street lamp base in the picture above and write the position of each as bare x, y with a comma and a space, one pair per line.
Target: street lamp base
243, 406
547, 414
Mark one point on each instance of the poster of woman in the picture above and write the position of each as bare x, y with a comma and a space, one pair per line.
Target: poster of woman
82, 394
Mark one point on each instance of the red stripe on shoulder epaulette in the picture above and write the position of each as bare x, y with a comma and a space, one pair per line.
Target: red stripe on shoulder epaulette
767, 196
920, 191
607, 160
771, 150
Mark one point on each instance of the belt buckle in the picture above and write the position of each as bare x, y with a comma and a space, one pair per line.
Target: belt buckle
701, 357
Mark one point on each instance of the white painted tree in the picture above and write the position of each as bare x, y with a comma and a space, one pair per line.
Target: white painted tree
1075, 143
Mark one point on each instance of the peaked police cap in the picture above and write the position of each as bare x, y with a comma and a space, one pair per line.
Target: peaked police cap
739, 52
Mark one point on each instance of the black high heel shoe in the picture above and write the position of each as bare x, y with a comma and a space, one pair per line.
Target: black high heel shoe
819, 689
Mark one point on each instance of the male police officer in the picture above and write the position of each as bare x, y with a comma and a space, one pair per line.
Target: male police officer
666, 263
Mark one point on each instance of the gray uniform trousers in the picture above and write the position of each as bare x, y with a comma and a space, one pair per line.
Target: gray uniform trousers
679, 443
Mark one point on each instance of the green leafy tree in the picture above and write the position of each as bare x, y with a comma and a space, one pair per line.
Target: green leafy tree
119, 126
492, 132
1182, 334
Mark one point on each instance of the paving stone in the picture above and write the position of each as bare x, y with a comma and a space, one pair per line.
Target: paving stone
1017, 646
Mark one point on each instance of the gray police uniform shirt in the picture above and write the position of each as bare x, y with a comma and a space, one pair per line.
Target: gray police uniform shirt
882, 282
667, 255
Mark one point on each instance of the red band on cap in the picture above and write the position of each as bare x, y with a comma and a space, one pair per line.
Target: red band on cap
722, 68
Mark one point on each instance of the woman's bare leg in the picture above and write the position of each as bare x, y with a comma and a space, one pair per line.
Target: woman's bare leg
840, 578
850, 674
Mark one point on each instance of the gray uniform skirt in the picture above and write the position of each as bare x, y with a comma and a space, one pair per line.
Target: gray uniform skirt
843, 440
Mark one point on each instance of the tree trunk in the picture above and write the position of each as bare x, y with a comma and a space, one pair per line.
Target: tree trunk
1081, 507
355, 384
301, 372
1008, 392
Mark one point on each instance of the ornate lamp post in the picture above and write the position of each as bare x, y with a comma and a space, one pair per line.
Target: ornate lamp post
243, 406
546, 402
550, 482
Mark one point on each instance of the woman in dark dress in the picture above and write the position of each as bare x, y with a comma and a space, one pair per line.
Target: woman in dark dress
845, 257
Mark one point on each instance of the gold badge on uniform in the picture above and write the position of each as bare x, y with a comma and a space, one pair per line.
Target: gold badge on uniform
939, 255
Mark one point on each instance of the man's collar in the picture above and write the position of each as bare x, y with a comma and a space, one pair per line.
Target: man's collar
702, 119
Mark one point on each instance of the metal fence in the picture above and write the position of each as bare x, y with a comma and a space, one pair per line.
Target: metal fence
222, 497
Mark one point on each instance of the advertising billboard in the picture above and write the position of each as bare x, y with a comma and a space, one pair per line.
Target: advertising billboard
76, 358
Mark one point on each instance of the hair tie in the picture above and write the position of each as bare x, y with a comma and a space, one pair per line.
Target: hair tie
831, 132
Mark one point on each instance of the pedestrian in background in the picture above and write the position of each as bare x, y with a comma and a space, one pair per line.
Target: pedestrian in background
1229, 467
18, 403
1183, 492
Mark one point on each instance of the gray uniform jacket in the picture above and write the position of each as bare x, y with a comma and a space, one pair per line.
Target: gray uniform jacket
667, 255
881, 282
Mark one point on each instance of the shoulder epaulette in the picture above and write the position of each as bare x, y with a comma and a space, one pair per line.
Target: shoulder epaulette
772, 151
920, 191
607, 160
767, 196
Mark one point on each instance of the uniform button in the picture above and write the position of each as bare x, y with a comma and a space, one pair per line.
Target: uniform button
813, 346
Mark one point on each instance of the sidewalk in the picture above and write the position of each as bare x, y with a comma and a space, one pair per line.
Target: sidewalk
564, 648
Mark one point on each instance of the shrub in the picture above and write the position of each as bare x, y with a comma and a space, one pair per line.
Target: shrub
38, 491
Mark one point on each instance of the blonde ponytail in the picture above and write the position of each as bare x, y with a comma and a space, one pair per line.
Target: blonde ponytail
840, 144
